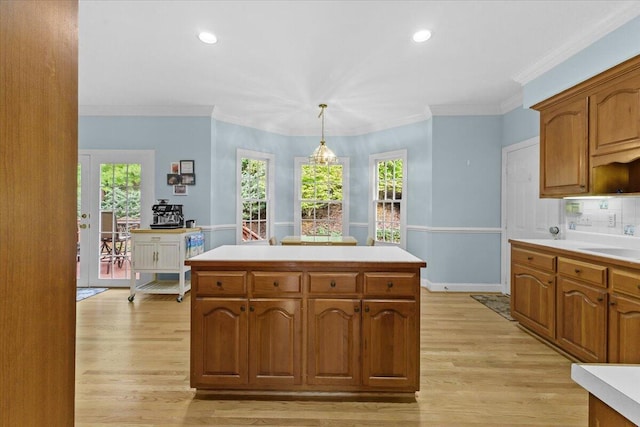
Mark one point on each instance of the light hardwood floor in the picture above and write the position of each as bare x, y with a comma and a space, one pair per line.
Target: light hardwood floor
477, 369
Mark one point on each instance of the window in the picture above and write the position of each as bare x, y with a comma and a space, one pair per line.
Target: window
255, 199
322, 202
387, 215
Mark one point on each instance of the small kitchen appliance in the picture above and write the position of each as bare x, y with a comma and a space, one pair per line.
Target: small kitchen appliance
167, 216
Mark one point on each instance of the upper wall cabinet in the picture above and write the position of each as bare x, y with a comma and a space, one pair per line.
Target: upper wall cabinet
563, 148
590, 135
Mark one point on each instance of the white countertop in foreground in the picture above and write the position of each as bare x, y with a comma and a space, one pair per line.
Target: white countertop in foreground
381, 254
616, 385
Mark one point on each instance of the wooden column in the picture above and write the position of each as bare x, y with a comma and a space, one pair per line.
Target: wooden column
38, 161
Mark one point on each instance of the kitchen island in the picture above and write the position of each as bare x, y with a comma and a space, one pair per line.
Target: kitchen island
314, 320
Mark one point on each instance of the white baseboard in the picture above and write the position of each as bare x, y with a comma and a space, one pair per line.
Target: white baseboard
461, 287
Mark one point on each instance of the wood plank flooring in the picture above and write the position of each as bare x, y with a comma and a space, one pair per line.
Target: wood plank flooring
477, 369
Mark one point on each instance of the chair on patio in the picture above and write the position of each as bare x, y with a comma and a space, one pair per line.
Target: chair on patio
113, 243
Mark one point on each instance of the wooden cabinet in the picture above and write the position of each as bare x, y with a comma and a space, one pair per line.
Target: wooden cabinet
582, 320
602, 415
614, 121
390, 356
590, 135
624, 317
533, 291
305, 327
564, 157
597, 302
334, 342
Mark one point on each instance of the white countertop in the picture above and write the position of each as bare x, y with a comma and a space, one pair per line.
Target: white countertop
580, 246
616, 385
381, 254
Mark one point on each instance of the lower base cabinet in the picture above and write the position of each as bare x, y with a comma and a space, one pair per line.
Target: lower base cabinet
306, 329
594, 314
582, 324
602, 415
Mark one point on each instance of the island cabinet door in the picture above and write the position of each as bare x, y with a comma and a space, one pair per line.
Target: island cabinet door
219, 337
390, 345
582, 320
333, 352
275, 342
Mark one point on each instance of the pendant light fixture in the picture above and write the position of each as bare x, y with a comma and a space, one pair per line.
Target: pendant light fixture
322, 155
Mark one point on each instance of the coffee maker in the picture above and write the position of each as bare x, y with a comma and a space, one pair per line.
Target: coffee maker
166, 215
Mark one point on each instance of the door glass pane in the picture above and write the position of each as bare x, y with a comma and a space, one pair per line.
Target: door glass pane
119, 214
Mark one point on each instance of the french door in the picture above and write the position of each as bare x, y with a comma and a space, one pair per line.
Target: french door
115, 195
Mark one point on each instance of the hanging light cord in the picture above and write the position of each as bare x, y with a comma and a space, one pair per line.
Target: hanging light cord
322, 107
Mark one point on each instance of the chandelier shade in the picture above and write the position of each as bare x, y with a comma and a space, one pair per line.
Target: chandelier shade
322, 155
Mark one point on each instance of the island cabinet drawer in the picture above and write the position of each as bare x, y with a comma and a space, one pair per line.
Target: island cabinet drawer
214, 283
275, 283
625, 282
533, 259
592, 273
390, 284
333, 283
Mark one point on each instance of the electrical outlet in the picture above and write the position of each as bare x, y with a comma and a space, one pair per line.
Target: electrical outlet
612, 220
584, 220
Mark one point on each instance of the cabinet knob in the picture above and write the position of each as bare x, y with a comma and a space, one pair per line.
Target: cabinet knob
333, 284
243, 308
550, 282
390, 285
366, 308
529, 258
356, 309
275, 283
600, 299
251, 308
612, 303
638, 286
577, 270
218, 283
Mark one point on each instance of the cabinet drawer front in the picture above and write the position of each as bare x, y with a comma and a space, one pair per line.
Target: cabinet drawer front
211, 283
390, 284
533, 259
276, 283
155, 238
333, 283
626, 282
592, 273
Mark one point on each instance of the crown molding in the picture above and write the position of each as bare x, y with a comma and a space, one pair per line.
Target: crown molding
146, 110
512, 103
466, 110
579, 42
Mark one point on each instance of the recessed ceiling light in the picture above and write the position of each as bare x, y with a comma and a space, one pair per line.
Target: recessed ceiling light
421, 36
208, 38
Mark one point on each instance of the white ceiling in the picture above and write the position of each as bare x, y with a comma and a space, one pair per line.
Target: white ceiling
275, 61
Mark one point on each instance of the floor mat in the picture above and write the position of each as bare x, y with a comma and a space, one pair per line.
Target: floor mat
496, 302
84, 293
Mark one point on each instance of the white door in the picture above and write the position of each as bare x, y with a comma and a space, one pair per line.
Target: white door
116, 191
525, 214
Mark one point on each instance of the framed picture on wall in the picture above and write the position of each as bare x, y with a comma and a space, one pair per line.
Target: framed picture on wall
188, 179
187, 166
173, 179
180, 190
175, 167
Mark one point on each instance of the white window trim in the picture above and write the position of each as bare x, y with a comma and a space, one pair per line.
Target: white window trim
297, 212
270, 159
373, 159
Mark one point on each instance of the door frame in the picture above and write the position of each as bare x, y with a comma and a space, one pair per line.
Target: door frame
146, 158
